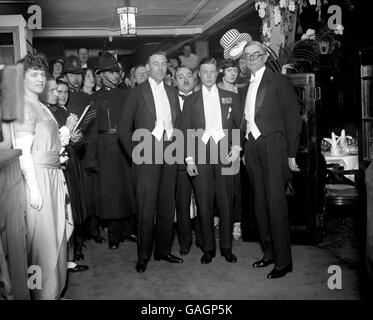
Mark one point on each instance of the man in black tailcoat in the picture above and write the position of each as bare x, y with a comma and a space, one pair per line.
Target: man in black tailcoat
153, 107
214, 113
185, 84
271, 126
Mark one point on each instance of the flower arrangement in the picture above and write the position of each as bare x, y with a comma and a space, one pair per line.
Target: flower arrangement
278, 12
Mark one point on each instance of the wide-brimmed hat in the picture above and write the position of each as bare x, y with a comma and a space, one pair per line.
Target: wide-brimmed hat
233, 43
72, 65
108, 63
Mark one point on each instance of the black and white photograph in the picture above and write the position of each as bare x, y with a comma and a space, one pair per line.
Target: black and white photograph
186, 155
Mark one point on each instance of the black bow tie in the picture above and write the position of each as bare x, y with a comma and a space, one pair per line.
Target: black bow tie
182, 96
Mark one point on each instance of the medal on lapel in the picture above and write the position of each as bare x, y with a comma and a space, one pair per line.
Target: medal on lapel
227, 100
229, 113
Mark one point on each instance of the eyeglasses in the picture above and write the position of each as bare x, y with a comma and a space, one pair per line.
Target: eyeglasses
254, 56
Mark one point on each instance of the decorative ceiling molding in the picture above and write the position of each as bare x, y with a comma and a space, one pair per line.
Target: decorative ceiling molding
105, 32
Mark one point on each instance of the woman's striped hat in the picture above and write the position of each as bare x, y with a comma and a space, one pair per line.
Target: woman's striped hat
233, 43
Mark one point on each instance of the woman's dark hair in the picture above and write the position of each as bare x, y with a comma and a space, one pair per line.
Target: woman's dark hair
85, 73
44, 95
61, 80
225, 64
138, 66
175, 58
34, 61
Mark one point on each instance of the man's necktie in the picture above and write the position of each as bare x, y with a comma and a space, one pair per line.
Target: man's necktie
182, 96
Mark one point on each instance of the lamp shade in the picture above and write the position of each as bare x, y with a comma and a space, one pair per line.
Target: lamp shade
127, 18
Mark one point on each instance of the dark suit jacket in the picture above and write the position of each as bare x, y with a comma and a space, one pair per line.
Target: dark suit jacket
276, 109
139, 113
193, 116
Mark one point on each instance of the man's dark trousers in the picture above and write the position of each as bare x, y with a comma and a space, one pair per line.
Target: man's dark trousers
211, 184
155, 198
183, 198
266, 164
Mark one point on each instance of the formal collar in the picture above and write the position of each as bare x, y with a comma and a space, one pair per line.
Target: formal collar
182, 93
258, 75
154, 85
206, 92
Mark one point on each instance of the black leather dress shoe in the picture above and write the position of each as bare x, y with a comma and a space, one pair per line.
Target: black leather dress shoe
228, 255
207, 257
279, 273
113, 245
130, 238
141, 265
99, 239
184, 251
78, 268
262, 263
168, 257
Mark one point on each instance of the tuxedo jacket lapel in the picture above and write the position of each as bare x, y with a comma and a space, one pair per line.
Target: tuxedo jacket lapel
264, 83
200, 108
244, 92
149, 99
224, 107
173, 103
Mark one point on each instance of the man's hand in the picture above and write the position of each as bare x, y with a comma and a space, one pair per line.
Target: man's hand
36, 200
192, 170
76, 136
293, 165
71, 121
234, 154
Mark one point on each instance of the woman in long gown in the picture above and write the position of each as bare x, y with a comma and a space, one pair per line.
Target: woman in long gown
48, 218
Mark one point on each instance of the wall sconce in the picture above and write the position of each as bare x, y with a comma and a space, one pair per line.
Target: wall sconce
127, 19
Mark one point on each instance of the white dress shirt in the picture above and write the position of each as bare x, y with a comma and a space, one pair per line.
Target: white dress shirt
212, 109
162, 109
250, 103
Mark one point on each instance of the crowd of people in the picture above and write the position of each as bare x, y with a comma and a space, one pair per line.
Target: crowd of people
82, 119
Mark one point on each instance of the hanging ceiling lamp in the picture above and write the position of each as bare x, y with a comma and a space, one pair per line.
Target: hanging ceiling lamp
127, 19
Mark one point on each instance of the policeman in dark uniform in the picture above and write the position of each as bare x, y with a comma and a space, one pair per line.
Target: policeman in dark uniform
78, 100
116, 188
